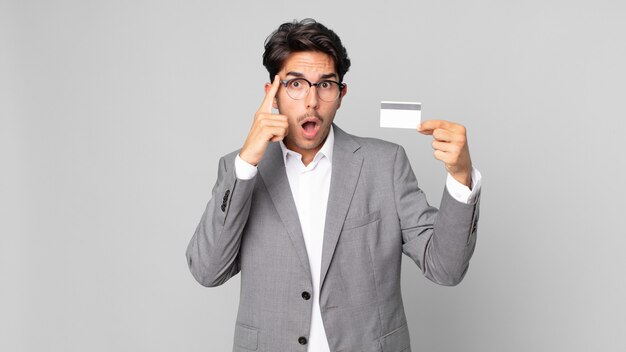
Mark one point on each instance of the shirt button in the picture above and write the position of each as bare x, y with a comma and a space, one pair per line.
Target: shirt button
302, 340
306, 295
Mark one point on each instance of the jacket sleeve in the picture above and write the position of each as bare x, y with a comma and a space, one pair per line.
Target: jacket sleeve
441, 242
212, 253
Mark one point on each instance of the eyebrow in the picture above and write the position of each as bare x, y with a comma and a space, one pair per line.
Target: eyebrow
301, 75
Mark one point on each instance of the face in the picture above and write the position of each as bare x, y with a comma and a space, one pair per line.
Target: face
310, 117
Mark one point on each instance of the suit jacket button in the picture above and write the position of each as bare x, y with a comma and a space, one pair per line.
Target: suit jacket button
302, 340
306, 295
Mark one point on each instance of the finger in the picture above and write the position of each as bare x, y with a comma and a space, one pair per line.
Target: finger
271, 94
443, 135
443, 156
277, 138
276, 117
425, 132
278, 133
271, 131
443, 124
431, 125
273, 120
264, 120
445, 147
269, 127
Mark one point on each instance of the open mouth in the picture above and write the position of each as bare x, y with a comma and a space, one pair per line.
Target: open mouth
310, 127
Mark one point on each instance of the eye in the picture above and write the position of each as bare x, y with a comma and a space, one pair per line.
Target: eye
296, 84
325, 85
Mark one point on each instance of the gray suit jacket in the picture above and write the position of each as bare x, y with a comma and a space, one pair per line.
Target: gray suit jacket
375, 213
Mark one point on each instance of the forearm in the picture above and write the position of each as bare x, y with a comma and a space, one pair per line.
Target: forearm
441, 242
212, 254
451, 244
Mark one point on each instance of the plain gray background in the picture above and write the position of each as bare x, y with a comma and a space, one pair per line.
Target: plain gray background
114, 115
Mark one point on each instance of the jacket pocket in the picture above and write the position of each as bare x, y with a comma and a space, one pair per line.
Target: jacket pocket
352, 223
397, 340
246, 337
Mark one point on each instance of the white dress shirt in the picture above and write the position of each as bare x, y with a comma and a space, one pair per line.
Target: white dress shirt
310, 186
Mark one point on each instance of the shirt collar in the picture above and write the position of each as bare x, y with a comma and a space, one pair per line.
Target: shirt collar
326, 150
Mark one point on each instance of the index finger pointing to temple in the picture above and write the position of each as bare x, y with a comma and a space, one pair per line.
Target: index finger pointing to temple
269, 96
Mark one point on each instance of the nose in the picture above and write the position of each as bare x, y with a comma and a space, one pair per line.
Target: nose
312, 100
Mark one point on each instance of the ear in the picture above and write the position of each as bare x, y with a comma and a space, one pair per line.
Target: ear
267, 87
344, 91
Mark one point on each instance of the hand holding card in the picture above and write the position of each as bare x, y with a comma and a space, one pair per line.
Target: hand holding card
450, 145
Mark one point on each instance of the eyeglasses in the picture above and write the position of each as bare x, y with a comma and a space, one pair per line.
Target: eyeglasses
298, 88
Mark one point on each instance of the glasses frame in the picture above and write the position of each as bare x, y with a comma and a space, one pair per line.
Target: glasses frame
287, 81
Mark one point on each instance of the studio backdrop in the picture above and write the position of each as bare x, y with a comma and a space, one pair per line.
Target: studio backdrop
114, 115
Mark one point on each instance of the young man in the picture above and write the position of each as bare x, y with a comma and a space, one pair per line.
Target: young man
316, 220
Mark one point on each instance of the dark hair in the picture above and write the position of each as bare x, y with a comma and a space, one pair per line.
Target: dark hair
305, 35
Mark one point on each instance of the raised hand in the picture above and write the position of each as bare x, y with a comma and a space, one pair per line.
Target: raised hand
266, 127
450, 145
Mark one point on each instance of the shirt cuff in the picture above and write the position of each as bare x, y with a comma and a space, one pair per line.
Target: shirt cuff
243, 170
461, 192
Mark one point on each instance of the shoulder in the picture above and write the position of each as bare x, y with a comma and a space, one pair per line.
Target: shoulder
375, 147
376, 144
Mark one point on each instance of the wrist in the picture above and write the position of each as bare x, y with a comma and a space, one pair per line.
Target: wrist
463, 177
247, 158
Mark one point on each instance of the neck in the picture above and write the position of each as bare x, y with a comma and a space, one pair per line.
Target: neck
307, 154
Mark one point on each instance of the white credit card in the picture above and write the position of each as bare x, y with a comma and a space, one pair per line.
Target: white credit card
397, 114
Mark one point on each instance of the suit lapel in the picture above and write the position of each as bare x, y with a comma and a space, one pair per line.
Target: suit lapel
345, 174
272, 170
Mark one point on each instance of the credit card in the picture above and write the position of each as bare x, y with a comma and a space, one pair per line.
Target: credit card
397, 114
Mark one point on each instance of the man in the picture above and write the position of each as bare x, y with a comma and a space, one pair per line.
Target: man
316, 220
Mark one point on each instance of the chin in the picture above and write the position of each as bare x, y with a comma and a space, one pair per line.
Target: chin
308, 145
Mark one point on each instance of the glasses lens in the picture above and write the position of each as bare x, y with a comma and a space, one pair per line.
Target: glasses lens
328, 90
297, 88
